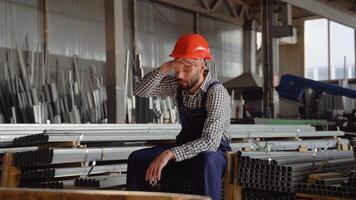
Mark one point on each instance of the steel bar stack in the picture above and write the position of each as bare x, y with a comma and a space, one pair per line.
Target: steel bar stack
283, 171
52, 168
247, 133
103, 150
57, 173
101, 182
29, 95
339, 186
71, 155
65, 184
336, 189
253, 194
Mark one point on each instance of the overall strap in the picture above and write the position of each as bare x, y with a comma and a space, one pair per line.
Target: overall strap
179, 96
203, 100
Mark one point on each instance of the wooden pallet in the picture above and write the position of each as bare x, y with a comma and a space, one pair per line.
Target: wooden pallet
47, 194
10, 175
229, 180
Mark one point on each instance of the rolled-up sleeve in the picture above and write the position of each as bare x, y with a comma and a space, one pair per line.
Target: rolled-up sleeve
156, 83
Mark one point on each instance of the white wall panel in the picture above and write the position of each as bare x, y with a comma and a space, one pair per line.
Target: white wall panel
225, 41
77, 27
158, 29
20, 18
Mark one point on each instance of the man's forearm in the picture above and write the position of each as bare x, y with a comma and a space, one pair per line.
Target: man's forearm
155, 83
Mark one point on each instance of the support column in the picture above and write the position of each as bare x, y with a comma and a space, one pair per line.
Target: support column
329, 53
115, 60
267, 49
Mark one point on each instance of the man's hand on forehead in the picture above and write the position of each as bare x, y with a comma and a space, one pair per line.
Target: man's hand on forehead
186, 62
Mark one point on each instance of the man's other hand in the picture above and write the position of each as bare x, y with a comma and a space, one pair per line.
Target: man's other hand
153, 173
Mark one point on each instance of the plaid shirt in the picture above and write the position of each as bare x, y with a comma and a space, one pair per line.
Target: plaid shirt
218, 108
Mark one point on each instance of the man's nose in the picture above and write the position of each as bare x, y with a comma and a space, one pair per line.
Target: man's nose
179, 75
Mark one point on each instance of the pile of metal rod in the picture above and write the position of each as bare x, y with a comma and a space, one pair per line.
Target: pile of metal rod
141, 132
101, 182
253, 194
283, 171
283, 145
70, 155
353, 145
65, 184
328, 188
109, 146
29, 95
52, 173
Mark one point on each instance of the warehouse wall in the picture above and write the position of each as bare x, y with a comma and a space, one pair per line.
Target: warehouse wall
78, 27
158, 27
226, 45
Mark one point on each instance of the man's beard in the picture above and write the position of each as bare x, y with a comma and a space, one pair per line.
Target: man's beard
190, 83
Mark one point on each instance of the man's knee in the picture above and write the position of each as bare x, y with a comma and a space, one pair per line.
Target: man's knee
211, 158
135, 156
206, 156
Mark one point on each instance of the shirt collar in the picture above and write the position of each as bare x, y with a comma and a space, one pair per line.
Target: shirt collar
204, 86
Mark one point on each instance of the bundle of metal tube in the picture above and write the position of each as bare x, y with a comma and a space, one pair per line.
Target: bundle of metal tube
353, 145
283, 171
282, 145
329, 189
23, 100
140, 132
101, 182
56, 173
71, 155
64, 184
253, 194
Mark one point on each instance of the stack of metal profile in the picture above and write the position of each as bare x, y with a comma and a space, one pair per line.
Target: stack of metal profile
33, 96
336, 188
253, 194
64, 184
58, 173
70, 155
101, 182
353, 145
283, 145
33, 135
283, 171
110, 145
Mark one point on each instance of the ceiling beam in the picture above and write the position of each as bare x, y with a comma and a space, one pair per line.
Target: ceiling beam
240, 2
323, 9
200, 10
204, 4
215, 5
230, 8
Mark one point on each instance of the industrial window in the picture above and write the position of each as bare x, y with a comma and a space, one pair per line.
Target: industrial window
329, 50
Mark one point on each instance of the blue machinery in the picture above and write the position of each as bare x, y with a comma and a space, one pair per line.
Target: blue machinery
293, 88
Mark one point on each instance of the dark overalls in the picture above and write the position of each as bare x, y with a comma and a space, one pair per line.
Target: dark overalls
205, 170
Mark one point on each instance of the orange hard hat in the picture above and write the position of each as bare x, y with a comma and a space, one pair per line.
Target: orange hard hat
191, 46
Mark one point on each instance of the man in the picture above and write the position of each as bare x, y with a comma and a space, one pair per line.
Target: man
204, 111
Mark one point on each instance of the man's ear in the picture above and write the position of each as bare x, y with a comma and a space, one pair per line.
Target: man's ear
202, 65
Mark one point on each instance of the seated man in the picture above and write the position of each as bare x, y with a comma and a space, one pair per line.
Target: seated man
204, 111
